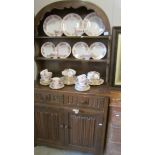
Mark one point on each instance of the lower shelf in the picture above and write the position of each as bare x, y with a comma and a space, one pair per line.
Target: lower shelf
99, 90
71, 59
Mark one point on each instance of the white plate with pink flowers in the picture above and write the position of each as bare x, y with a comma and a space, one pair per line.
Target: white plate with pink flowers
72, 25
48, 50
63, 50
52, 26
80, 50
98, 50
93, 25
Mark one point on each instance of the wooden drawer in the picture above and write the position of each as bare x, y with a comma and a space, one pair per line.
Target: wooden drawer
112, 149
116, 135
48, 98
85, 101
116, 117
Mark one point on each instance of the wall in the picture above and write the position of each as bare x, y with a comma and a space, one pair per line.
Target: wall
111, 7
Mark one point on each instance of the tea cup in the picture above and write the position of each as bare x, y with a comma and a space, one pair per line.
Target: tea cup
82, 80
93, 75
68, 72
56, 81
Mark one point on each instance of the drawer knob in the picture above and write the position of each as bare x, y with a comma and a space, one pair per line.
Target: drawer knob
100, 124
117, 115
76, 111
66, 126
61, 126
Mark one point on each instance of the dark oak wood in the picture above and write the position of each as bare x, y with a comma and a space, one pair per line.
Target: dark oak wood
84, 131
62, 8
94, 104
56, 122
48, 123
71, 59
74, 37
113, 134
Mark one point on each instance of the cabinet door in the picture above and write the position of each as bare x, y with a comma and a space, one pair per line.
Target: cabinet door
48, 125
84, 131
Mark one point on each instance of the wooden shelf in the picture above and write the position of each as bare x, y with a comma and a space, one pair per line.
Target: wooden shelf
104, 88
71, 59
74, 37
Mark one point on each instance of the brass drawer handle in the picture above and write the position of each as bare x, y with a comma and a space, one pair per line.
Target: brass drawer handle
66, 126
76, 111
100, 124
61, 126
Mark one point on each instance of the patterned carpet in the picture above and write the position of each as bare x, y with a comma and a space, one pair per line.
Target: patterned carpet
42, 150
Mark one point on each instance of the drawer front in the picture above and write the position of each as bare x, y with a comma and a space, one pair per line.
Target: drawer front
85, 101
48, 98
116, 135
112, 149
116, 117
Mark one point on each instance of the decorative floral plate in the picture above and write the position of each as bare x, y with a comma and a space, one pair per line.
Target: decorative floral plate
63, 50
80, 49
98, 50
52, 26
72, 25
48, 50
93, 25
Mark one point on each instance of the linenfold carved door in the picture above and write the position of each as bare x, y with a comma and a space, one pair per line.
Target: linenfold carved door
48, 124
83, 130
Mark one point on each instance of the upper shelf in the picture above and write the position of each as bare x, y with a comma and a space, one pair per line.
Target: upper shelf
72, 59
76, 37
63, 8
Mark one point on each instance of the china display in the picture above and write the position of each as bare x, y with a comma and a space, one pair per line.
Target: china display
72, 52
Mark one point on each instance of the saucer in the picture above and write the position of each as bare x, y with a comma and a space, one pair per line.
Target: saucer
83, 88
96, 82
58, 87
44, 83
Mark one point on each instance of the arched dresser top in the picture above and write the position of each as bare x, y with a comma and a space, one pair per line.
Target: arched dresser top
67, 4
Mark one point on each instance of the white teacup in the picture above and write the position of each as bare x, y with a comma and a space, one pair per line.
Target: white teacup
82, 80
93, 75
56, 82
46, 74
69, 72
43, 72
45, 79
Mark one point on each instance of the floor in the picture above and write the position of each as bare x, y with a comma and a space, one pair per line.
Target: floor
42, 150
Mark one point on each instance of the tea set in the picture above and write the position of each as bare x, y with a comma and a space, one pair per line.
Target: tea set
82, 82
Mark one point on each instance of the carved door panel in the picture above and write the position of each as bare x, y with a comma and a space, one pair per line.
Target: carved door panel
83, 129
48, 125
